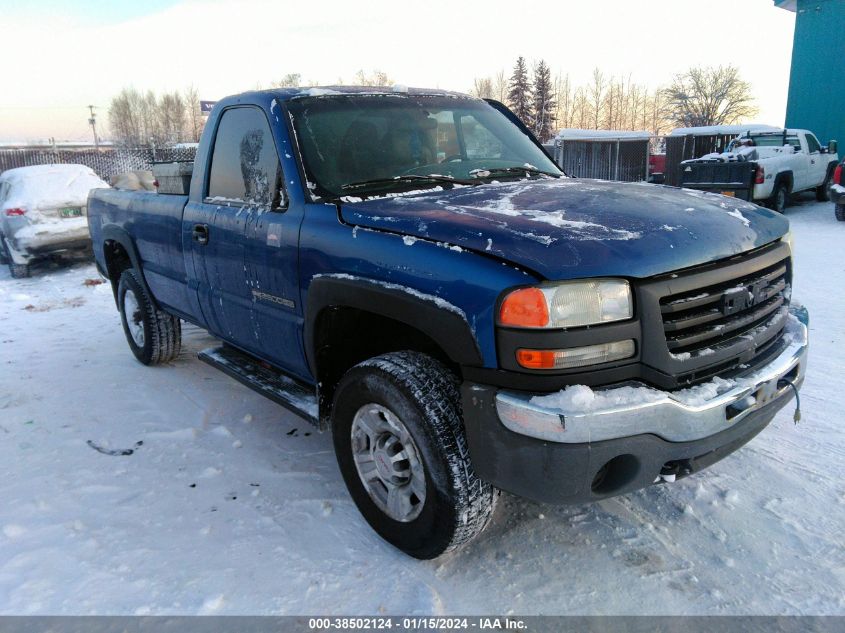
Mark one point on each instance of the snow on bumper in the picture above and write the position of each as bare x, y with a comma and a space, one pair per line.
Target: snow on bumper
579, 415
44, 236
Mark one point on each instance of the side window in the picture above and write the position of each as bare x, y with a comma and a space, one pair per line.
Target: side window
244, 164
813, 144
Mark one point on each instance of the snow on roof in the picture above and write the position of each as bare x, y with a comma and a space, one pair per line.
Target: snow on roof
713, 130
604, 135
50, 186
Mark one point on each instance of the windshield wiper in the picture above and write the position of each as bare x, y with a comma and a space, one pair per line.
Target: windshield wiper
407, 178
486, 172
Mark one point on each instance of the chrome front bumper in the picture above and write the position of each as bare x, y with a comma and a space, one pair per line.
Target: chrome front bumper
681, 416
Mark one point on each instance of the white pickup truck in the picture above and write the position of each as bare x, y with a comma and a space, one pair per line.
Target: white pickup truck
766, 167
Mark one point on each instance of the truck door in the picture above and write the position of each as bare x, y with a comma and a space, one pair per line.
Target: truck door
801, 162
817, 170
241, 176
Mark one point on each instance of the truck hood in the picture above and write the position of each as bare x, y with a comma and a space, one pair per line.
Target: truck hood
568, 228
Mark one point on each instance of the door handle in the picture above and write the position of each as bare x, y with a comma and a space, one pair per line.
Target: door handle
200, 234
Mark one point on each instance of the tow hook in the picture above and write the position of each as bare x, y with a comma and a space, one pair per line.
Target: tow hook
786, 382
674, 469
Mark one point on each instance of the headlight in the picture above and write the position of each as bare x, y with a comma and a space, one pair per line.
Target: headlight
568, 304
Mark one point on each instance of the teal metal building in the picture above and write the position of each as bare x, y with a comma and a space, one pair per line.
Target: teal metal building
817, 79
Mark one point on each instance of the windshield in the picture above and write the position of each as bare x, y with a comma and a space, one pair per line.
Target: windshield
368, 141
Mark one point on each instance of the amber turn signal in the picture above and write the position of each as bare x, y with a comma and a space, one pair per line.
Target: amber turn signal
526, 307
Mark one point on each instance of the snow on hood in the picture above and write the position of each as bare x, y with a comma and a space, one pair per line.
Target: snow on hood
568, 228
43, 187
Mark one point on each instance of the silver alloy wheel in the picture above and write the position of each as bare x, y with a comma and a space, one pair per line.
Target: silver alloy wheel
388, 462
134, 317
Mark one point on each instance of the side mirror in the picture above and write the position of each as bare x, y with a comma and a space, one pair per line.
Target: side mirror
832, 147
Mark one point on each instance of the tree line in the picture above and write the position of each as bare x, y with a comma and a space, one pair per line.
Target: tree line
145, 119
699, 96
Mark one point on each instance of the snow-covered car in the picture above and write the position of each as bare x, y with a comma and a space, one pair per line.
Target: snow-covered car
43, 211
837, 191
765, 167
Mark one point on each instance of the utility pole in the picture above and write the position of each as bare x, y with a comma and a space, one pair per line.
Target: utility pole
93, 123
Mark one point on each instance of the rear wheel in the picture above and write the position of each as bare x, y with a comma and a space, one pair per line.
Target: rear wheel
399, 439
779, 197
154, 336
18, 271
840, 212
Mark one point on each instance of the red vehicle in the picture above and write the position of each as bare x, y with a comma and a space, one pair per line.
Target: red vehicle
656, 168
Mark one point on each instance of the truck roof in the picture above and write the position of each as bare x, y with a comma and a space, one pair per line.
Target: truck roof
285, 94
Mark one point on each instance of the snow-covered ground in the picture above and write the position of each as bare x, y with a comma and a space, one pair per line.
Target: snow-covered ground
228, 504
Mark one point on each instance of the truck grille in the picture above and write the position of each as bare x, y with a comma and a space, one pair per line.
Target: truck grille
694, 321
715, 319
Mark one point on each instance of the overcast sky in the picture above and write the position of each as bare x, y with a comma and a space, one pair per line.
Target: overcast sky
62, 55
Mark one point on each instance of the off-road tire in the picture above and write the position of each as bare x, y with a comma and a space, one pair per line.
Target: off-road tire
780, 197
162, 331
840, 212
424, 395
19, 271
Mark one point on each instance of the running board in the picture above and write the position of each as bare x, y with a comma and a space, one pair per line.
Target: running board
281, 389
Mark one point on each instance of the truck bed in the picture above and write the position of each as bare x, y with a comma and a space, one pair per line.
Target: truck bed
154, 222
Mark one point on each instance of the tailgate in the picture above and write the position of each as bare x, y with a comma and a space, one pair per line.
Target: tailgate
735, 178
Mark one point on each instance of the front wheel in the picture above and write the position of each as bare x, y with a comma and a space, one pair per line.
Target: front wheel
400, 445
154, 336
823, 191
840, 212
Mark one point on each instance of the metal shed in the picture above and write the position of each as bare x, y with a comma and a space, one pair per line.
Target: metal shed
603, 154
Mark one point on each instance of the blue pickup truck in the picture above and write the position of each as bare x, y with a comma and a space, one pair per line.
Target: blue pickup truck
409, 269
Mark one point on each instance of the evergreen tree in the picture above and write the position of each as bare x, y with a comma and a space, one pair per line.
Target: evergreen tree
543, 103
519, 92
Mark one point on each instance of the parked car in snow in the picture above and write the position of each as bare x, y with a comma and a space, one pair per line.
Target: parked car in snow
42, 212
837, 191
766, 167
460, 315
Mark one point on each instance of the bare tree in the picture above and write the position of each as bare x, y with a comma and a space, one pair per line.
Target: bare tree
125, 118
291, 80
376, 78
596, 92
500, 86
482, 87
171, 115
196, 121
709, 96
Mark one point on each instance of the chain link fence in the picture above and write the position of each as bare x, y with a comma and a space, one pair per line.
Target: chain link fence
104, 162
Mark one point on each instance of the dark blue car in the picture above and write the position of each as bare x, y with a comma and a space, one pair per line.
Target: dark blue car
410, 269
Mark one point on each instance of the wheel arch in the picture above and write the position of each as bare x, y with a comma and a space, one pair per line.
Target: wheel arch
120, 253
350, 319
